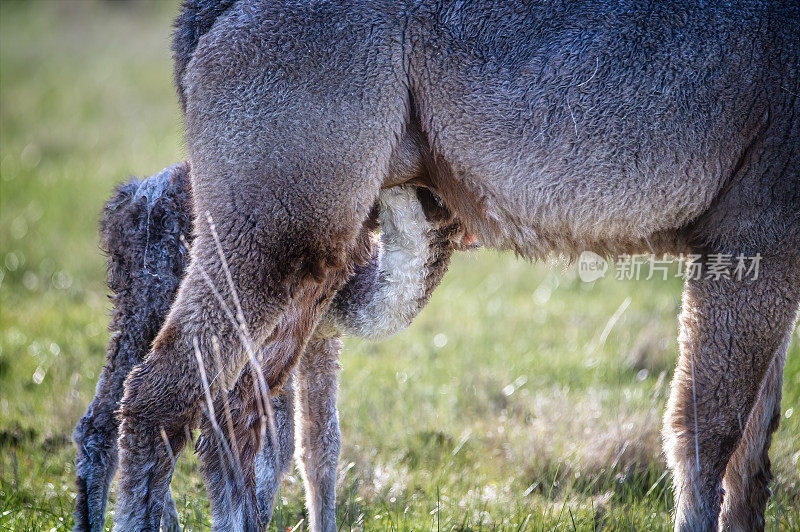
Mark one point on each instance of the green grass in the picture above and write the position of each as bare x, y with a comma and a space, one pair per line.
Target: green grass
498, 409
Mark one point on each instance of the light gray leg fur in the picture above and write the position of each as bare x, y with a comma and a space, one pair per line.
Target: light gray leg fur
270, 468
317, 426
747, 477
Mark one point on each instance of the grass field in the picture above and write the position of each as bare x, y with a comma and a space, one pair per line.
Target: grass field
515, 401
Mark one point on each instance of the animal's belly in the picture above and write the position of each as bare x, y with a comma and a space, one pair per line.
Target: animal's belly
558, 128
536, 186
538, 212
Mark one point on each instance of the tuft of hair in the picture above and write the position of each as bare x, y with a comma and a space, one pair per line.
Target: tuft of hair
195, 19
140, 232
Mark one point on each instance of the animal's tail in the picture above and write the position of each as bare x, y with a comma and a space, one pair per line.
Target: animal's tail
195, 19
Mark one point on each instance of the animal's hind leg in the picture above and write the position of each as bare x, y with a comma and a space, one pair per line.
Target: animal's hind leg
273, 462
163, 394
241, 464
271, 248
731, 331
96, 439
169, 518
229, 466
288, 162
231, 461
318, 436
747, 477
225, 450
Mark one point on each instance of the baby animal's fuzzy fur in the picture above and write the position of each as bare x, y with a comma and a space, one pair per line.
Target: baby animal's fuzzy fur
145, 229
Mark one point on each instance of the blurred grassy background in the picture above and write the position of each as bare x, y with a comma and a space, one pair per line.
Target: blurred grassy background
500, 408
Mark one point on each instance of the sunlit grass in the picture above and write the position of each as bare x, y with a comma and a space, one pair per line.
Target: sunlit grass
500, 408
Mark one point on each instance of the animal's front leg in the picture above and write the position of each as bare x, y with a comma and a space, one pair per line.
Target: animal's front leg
318, 436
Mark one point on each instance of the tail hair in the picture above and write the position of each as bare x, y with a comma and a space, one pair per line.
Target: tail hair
196, 19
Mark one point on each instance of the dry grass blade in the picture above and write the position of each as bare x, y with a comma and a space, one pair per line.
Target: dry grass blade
262, 389
225, 403
234, 464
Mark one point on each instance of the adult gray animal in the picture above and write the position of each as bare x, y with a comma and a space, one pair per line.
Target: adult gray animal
546, 127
